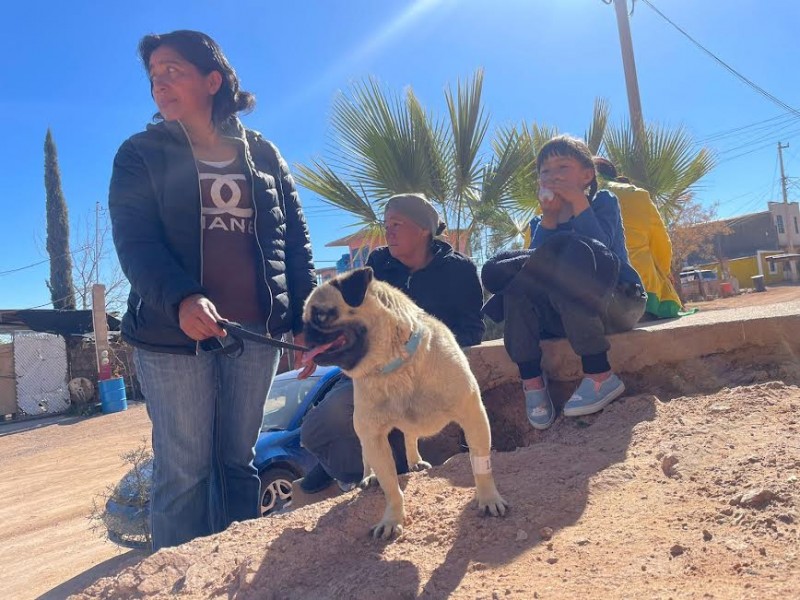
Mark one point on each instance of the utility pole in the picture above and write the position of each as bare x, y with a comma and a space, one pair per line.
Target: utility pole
781, 148
628, 63
788, 222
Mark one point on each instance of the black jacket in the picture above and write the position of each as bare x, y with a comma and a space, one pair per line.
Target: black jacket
448, 288
154, 202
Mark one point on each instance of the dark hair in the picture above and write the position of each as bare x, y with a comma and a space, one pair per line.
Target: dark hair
569, 147
206, 55
605, 168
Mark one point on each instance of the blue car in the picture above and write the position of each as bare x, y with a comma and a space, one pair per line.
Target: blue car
279, 458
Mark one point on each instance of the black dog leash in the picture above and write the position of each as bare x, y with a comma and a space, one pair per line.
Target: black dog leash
239, 333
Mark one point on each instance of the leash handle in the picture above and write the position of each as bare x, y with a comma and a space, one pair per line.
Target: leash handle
240, 333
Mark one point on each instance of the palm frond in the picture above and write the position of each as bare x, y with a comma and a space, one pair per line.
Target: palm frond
511, 160
379, 141
468, 124
597, 128
669, 166
322, 180
504, 230
430, 141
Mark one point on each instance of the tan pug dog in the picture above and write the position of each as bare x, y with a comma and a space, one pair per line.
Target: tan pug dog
408, 373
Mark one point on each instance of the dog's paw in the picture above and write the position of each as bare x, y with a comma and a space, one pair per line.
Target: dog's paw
420, 466
387, 529
368, 482
493, 505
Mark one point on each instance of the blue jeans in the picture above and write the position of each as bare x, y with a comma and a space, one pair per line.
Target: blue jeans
206, 412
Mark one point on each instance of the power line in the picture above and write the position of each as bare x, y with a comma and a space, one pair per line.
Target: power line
36, 264
759, 138
725, 65
744, 208
47, 303
751, 150
744, 138
759, 125
41, 262
793, 155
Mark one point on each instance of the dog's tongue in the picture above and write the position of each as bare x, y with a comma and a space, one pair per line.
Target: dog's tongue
308, 357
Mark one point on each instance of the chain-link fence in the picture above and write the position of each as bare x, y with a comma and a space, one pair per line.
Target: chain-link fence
40, 366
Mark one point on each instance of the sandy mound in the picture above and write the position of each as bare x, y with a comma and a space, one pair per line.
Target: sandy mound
695, 497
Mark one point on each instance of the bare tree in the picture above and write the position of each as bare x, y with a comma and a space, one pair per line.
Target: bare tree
97, 263
693, 232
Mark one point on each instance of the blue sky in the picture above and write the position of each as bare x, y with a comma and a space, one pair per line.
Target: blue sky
72, 66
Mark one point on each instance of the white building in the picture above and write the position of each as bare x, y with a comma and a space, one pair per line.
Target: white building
787, 221
786, 217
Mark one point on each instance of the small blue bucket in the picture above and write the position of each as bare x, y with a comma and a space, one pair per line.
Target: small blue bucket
112, 395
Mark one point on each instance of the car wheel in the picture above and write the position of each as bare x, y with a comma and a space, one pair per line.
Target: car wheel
132, 542
276, 490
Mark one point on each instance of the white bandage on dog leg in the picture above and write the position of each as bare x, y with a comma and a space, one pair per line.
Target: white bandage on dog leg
481, 465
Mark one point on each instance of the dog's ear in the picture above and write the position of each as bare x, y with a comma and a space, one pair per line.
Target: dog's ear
353, 286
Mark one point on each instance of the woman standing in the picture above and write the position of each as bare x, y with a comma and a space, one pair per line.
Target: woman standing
208, 226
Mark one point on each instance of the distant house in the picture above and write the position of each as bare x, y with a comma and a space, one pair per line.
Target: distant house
325, 274
763, 243
359, 245
749, 234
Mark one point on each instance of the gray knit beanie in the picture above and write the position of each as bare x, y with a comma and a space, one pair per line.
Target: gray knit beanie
417, 208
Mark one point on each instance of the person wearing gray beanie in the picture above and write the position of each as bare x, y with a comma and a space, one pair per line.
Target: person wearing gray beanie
411, 224
417, 208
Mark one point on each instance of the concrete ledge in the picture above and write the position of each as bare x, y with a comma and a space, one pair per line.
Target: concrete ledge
663, 343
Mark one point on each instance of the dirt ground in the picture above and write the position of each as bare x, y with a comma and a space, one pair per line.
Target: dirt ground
658, 496
775, 294
51, 470
692, 498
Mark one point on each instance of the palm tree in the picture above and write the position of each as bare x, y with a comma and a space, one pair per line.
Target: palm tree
385, 143
669, 166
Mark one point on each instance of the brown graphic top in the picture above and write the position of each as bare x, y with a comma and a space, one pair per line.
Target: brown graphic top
231, 260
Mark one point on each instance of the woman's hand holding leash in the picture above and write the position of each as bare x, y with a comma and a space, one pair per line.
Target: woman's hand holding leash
198, 318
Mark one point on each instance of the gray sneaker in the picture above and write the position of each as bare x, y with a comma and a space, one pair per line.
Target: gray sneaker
539, 408
591, 396
346, 487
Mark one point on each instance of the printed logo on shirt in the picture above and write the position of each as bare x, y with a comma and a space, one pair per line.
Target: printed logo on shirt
227, 206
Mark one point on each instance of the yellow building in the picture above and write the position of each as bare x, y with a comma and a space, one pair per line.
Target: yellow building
746, 267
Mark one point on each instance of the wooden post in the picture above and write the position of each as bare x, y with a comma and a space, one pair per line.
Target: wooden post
100, 325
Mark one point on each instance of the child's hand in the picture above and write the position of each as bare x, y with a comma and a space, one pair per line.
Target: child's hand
551, 207
571, 194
